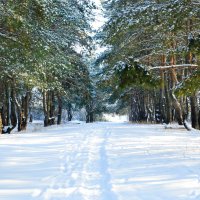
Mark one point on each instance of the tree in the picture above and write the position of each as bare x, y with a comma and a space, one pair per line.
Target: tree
155, 33
38, 42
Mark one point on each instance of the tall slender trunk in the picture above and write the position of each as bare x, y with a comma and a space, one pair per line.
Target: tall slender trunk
59, 109
1, 123
168, 118
69, 111
199, 118
24, 111
175, 102
89, 113
7, 91
52, 107
49, 107
162, 90
131, 110
161, 103
194, 111
3, 116
13, 109
19, 112
45, 108
30, 114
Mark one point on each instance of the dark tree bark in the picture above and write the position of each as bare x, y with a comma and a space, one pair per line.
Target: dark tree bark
162, 90
69, 112
7, 100
175, 102
13, 110
194, 111
3, 115
1, 123
45, 109
52, 107
49, 107
199, 119
89, 113
23, 112
168, 115
90, 117
8, 111
177, 107
161, 98
31, 118
59, 109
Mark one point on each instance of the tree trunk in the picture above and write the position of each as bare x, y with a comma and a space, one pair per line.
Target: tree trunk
168, 117
161, 103
177, 107
1, 124
20, 119
15, 103
162, 90
24, 112
90, 114
194, 111
7, 90
49, 108
45, 109
31, 118
30, 113
90, 117
199, 119
3, 116
13, 110
69, 112
176, 104
59, 109
52, 107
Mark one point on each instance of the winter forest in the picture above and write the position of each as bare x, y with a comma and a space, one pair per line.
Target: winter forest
148, 70
65, 64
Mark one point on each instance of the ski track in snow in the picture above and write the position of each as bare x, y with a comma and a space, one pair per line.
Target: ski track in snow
83, 173
101, 161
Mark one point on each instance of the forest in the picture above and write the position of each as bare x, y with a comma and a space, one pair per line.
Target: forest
149, 68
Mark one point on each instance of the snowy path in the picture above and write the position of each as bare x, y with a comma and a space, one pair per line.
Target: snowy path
101, 161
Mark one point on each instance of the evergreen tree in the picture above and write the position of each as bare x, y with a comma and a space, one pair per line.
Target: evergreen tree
156, 34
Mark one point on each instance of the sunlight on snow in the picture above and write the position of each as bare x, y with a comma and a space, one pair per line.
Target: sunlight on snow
115, 118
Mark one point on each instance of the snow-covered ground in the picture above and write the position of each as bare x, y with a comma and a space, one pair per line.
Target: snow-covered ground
100, 161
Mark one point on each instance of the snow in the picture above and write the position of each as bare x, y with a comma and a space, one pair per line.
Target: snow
115, 118
100, 161
99, 18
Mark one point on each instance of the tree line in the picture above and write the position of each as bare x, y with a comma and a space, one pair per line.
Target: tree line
152, 59
149, 68
43, 49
